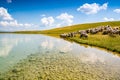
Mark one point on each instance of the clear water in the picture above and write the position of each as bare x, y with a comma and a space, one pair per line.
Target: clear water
15, 47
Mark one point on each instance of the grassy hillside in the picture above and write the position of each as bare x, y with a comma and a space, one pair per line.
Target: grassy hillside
102, 41
80, 27
66, 29
99, 40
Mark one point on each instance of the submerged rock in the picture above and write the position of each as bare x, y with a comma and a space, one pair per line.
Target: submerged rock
62, 52
16, 70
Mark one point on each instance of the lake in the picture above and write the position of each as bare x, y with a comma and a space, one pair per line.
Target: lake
36, 57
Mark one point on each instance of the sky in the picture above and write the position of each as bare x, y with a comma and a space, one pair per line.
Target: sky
16, 15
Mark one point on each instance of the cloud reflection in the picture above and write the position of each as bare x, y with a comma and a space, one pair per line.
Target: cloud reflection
8, 43
66, 47
56, 44
91, 57
4, 51
47, 44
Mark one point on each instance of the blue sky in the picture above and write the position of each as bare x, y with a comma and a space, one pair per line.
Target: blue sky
47, 14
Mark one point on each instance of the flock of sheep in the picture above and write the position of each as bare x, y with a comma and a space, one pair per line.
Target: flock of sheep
105, 30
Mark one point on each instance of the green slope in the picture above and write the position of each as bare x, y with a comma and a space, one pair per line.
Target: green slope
80, 27
72, 28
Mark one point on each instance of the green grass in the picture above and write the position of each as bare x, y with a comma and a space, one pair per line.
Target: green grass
107, 42
103, 41
72, 28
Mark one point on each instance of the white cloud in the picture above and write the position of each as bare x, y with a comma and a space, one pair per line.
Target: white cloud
66, 18
108, 19
6, 20
47, 21
117, 10
92, 8
9, 1
59, 25
4, 15
14, 23
27, 25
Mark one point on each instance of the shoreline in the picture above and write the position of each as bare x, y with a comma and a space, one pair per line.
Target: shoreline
89, 44
74, 40
86, 43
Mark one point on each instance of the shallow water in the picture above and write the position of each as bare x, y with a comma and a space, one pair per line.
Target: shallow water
43, 55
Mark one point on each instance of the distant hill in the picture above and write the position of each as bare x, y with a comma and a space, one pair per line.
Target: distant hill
72, 28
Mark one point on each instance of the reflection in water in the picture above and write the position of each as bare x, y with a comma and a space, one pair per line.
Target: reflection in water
8, 42
4, 51
47, 44
88, 57
56, 45
64, 58
6, 46
13, 48
66, 47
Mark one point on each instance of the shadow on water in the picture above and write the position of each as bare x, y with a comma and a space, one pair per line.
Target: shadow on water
36, 57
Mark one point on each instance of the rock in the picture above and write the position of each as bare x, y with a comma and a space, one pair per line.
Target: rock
16, 70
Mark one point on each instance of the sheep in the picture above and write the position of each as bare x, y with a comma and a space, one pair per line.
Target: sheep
63, 35
88, 31
107, 27
74, 34
100, 29
81, 31
116, 28
84, 35
116, 31
93, 31
68, 35
105, 32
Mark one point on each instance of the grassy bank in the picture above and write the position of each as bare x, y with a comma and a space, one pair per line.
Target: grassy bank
103, 41
107, 42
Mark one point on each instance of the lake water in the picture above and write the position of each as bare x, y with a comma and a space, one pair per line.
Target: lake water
71, 58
